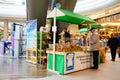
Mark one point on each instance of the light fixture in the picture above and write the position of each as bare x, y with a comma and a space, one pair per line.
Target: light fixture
110, 24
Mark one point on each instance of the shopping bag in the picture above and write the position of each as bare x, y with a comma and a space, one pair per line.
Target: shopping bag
98, 59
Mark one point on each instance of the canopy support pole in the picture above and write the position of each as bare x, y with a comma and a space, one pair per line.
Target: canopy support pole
54, 38
54, 29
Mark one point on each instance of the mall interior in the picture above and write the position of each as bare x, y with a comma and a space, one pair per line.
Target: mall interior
33, 44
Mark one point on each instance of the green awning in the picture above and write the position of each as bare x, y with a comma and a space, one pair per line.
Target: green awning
70, 17
82, 30
95, 25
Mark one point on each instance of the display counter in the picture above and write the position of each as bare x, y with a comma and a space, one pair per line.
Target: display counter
67, 62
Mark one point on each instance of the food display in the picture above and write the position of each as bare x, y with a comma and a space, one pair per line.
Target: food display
67, 47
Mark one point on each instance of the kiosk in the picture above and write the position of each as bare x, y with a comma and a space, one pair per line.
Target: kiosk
66, 62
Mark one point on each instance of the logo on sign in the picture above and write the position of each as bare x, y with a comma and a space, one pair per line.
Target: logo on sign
70, 61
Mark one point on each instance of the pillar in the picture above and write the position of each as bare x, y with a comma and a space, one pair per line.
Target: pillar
37, 9
5, 30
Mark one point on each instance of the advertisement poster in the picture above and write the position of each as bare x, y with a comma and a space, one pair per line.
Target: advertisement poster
31, 33
31, 30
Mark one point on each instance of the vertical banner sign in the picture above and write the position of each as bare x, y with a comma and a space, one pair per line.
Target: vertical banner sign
1, 48
31, 51
70, 61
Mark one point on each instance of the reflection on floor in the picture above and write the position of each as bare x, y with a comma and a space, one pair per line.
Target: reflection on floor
13, 69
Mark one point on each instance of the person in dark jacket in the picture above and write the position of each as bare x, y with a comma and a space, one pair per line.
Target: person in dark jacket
119, 46
113, 44
66, 35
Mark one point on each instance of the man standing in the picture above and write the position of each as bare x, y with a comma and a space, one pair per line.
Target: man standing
119, 46
94, 47
113, 44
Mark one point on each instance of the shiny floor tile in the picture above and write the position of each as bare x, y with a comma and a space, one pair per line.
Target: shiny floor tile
13, 69
19, 69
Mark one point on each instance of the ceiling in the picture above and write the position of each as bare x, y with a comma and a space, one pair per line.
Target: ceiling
13, 10
16, 9
97, 8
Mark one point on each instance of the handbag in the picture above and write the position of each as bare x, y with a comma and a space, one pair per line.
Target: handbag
118, 50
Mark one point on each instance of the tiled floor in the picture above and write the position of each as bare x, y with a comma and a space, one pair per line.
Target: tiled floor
13, 69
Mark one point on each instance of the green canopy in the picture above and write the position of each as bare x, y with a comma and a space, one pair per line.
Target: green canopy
85, 29
95, 25
82, 30
67, 16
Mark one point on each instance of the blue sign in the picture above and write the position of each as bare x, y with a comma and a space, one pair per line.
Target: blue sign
70, 61
31, 25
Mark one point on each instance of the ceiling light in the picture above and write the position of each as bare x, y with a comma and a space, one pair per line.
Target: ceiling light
110, 24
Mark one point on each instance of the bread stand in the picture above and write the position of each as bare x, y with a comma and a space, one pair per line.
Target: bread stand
66, 62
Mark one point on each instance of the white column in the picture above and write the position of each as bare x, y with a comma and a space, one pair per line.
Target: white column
5, 29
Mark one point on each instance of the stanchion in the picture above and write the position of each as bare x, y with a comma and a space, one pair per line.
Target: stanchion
54, 29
